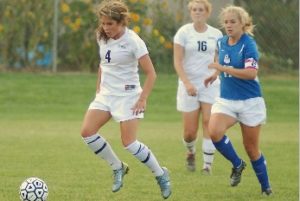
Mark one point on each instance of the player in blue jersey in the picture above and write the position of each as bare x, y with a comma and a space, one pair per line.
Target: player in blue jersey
240, 98
119, 94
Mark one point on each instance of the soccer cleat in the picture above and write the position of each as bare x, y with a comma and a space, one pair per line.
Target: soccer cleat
206, 171
236, 174
190, 162
164, 183
267, 192
118, 177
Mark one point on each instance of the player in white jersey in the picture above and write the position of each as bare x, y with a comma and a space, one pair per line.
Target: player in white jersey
119, 94
194, 48
240, 98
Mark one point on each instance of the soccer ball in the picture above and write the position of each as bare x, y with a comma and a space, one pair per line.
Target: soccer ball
33, 189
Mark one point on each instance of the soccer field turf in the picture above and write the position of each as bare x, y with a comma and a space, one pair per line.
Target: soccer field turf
40, 119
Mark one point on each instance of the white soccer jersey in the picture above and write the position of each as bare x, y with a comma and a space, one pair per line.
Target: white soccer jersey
119, 64
199, 50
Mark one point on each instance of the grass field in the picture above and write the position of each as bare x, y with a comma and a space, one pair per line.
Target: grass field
40, 120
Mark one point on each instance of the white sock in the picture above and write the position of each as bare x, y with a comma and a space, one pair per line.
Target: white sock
191, 146
144, 154
103, 150
208, 149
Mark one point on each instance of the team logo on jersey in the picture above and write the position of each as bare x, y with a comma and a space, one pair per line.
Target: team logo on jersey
122, 46
226, 59
129, 87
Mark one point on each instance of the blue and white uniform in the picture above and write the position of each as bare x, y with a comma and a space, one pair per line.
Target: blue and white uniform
240, 98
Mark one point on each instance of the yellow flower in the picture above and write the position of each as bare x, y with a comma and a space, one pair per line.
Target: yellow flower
143, 1
45, 34
1, 28
78, 21
164, 5
67, 20
64, 7
7, 12
31, 15
162, 39
136, 29
168, 45
156, 32
74, 27
132, 1
147, 21
135, 17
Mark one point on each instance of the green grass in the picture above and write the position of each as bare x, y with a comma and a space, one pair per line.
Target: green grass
40, 119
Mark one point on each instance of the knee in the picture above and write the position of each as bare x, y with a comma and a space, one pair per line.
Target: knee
216, 133
252, 151
190, 134
85, 132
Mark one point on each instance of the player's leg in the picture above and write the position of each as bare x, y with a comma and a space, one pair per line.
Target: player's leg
190, 126
144, 154
251, 118
218, 125
190, 108
259, 164
93, 121
208, 147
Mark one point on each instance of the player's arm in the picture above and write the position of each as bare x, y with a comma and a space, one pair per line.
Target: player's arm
98, 80
178, 65
148, 68
178, 60
214, 76
247, 73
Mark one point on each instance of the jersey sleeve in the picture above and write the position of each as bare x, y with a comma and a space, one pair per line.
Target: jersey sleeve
140, 48
251, 55
179, 37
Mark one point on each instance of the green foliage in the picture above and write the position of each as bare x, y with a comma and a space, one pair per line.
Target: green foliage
26, 32
277, 32
24, 25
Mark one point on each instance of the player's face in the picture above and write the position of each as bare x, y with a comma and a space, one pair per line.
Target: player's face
232, 25
199, 13
112, 28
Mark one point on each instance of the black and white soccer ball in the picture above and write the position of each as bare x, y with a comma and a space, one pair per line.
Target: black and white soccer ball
33, 189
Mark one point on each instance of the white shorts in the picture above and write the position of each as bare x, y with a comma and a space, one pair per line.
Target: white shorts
118, 106
187, 103
251, 112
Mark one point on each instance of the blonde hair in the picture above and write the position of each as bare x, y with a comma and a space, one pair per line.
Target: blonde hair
242, 15
115, 9
207, 5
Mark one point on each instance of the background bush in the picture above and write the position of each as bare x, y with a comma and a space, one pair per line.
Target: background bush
26, 32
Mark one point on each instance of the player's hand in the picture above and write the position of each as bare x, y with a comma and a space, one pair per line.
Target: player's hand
210, 80
215, 66
139, 106
191, 89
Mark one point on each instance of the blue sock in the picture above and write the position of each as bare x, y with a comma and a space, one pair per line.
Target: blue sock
225, 147
260, 169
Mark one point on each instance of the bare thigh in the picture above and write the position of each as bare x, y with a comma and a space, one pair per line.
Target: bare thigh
93, 121
218, 124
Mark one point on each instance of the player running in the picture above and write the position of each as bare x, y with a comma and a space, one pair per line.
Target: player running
241, 98
119, 94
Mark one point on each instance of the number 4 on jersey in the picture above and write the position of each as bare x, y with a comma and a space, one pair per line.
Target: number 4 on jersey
107, 56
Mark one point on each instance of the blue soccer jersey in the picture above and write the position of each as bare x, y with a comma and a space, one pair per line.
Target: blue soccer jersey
243, 54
